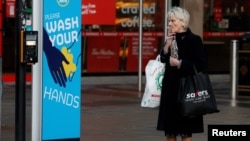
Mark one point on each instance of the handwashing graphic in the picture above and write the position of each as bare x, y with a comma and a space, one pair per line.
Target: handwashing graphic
60, 62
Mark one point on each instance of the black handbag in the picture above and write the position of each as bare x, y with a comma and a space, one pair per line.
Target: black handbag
196, 96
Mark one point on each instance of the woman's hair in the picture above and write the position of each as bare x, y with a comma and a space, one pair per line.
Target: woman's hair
181, 14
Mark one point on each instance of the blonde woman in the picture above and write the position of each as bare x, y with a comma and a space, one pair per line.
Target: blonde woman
182, 50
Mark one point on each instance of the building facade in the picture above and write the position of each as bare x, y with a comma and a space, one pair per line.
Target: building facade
110, 32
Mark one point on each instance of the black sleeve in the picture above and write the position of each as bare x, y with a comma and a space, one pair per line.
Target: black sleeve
164, 56
196, 56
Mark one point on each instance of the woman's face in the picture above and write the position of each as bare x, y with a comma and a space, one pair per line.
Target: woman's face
175, 25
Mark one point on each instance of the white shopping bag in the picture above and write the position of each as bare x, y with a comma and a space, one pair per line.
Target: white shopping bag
154, 72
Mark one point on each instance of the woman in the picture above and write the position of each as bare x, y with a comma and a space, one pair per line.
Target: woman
182, 51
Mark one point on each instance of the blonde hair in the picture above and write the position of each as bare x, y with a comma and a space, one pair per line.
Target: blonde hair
181, 14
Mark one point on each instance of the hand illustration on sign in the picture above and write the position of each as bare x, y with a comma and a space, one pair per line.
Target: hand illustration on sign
55, 59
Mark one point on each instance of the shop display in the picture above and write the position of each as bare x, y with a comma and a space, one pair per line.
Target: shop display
226, 16
120, 36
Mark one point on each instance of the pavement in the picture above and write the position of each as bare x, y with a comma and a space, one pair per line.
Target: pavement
112, 112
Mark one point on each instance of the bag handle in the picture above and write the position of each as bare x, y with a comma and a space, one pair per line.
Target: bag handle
195, 69
158, 57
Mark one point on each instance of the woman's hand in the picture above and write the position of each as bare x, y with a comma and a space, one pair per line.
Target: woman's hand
169, 41
174, 62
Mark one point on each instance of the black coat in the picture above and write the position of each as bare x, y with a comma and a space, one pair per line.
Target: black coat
191, 52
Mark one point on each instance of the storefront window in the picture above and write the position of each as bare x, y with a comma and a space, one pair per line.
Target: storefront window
229, 18
111, 38
224, 21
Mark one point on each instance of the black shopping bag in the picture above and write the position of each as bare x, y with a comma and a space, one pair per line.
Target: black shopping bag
196, 96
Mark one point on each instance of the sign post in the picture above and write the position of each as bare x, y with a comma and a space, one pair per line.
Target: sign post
61, 70
20, 83
36, 101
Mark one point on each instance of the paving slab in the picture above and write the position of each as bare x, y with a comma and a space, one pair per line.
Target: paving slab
112, 113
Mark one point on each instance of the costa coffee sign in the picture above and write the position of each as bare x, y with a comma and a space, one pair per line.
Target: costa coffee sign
98, 12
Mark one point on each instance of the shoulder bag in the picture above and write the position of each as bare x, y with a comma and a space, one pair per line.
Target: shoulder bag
196, 95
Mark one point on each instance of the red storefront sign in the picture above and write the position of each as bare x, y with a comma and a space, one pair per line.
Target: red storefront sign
103, 54
119, 51
98, 12
10, 8
217, 14
217, 11
223, 34
149, 51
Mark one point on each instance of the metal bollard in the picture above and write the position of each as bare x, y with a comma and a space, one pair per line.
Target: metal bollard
234, 68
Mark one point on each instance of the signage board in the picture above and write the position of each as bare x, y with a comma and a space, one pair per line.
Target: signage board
61, 70
98, 12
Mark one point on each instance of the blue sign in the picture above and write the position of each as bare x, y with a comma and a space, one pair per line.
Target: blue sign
61, 70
